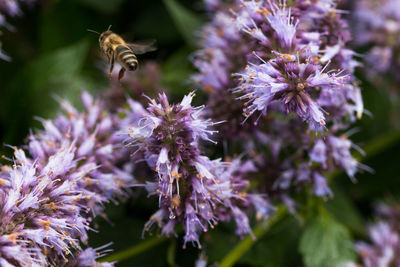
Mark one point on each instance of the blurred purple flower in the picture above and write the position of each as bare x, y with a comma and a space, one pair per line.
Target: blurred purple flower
377, 26
384, 249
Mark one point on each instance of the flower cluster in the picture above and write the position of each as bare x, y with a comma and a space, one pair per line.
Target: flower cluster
191, 188
49, 199
9, 8
385, 236
377, 27
294, 78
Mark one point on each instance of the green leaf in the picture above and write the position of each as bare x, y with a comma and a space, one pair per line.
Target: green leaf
185, 20
58, 64
326, 242
55, 73
58, 73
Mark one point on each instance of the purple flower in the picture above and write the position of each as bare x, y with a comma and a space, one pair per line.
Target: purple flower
289, 83
318, 153
192, 189
321, 186
376, 27
49, 199
384, 246
384, 249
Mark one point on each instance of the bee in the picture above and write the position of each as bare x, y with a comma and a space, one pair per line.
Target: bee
116, 49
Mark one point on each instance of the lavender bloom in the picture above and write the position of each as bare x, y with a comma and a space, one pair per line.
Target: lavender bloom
192, 189
292, 84
377, 26
384, 249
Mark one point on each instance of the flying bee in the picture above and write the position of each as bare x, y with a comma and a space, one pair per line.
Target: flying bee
116, 49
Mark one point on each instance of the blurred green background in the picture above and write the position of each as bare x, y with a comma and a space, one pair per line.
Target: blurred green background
53, 54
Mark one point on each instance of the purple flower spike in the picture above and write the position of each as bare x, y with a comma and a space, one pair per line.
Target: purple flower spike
192, 189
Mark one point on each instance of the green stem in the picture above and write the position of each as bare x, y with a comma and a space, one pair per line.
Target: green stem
134, 250
244, 245
171, 254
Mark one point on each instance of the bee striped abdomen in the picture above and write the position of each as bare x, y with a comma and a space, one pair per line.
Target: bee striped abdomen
127, 57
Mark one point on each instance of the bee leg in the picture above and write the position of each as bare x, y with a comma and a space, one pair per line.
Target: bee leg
111, 66
121, 74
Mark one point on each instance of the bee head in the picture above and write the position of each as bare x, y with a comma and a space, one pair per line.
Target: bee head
104, 35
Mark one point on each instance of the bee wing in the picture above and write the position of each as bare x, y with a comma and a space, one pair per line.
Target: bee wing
141, 47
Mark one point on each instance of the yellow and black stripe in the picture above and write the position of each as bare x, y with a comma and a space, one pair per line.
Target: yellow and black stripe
126, 57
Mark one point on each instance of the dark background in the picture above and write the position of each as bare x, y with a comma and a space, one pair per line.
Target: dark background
53, 54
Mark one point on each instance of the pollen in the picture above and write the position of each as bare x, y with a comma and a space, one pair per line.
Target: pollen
264, 11
45, 224
13, 237
51, 206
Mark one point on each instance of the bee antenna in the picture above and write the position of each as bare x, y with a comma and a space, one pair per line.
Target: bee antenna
109, 27
89, 30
